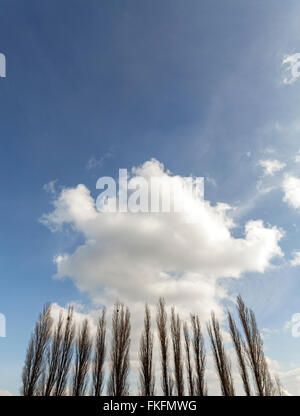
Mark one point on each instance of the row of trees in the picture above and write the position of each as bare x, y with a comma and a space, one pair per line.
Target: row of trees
63, 361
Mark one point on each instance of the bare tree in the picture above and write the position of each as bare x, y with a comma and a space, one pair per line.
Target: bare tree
161, 320
271, 383
190, 374
177, 353
35, 357
50, 352
278, 387
221, 360
240, 352
82, 356
146, 357
100, 351
200, 388
65, 355
53, 358
120, 343
254, 350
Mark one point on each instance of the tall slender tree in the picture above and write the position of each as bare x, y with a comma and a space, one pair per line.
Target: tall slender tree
161, 320
35, 356
200, 388
54, 350
177, 352
146, 357
189, 368
240, 353
120, 343
253, 347
65, 355
100, 351
82, 360
222, 362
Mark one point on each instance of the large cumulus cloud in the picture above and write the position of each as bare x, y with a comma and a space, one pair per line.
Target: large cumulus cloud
138, 257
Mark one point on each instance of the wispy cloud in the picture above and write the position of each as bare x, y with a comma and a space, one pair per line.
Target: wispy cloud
292, 63
271, 166
95, 162
50, 187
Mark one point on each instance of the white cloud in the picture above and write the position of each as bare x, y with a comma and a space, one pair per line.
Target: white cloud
139, 257
296, 259
291, 188
271, 166
292, 63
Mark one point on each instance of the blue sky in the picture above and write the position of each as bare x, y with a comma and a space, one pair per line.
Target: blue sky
198, 85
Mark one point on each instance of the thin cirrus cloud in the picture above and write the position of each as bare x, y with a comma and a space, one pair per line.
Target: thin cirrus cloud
95, 162
139, 257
